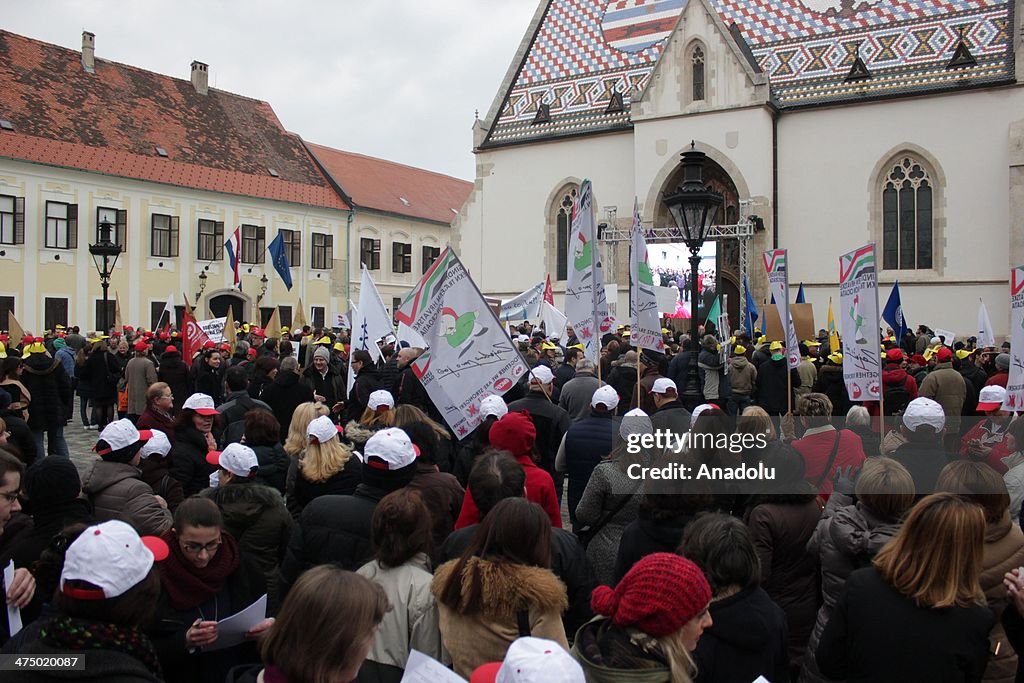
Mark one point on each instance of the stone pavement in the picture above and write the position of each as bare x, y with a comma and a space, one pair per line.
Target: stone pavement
80, 442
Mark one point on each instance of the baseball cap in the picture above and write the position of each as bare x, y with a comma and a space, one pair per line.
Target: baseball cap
121, 434
257, 332
991, 398
158, 445
924, 411
698, 410
236, 458
322, 429
963, 353
606, 396
112, 557
541, 375
635, 421
663, 385
379, 398
389, 449
944, 354
919, 359
894, 355
523, 339
532, 660
141, 345
171, 349
200, 403
493, 405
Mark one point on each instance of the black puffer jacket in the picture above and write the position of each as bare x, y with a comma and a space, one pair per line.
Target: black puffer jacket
300, 492
274, 464
746, 639
284, 395
830, 382
188, 460
45, 379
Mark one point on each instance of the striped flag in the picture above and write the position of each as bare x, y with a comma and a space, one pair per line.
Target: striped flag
234, 249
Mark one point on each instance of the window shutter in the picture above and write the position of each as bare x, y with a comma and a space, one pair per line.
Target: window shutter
19, 220
218, 248
261, 244
396, 257
122, 229
72, 226
376, 256
173, 247
296, 254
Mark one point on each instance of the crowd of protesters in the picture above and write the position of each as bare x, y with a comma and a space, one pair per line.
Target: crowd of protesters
886, 546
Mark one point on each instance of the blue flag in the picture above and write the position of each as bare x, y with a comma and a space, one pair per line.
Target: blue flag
800, 295
893, 313
280, 260
751, 315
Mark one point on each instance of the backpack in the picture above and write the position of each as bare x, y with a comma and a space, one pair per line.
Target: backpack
896, 399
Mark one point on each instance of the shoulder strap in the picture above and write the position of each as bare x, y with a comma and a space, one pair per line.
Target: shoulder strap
831, 460
523, 622
601, 523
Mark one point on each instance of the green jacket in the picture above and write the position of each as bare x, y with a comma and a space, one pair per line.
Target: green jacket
586, 641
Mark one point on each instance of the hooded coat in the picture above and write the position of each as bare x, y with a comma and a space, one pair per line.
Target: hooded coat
710, 365
742, 376
746, 639
117, 491
174, 371
45, 379
949, 389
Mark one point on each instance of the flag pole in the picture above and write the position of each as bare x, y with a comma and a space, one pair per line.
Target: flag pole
640, 352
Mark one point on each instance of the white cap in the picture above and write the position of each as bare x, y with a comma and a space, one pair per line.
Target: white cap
523, 339
635, 421
215, 479
924, 411
201, 403
537, 660
112, 557
381, 397
121, 434
542, 375
663, 385
237, 458
322, 429
698, 410
158, 445
493, 405
991, 398
606, 396
389, 449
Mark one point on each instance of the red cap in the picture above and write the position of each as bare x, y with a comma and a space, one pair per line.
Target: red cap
209, 345
164, 336
225, 347
894, 356
944, 354
919, 359
257, 332
171, 349
141, 345
486, 673
252, 353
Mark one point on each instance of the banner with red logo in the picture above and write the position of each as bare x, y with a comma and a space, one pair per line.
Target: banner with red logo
195, 337
1015, 385
858, 313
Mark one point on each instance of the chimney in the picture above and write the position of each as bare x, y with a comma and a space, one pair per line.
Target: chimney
200, 77
89, 51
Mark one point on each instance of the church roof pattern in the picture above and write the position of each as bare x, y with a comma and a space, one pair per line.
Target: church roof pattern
584, 51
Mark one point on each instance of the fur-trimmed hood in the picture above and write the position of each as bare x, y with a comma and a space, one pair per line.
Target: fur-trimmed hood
357, 433
509, 588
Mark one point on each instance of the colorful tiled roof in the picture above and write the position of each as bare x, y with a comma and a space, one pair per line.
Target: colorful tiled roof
112, 121
386, 186
585, 50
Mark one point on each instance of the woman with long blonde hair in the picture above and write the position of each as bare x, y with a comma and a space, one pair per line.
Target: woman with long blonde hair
918, 613
303, 415
325, 467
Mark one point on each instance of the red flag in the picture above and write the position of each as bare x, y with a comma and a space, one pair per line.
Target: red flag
549, 294
193, 338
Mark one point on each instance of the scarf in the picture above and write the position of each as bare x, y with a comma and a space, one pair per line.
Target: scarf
69, 633
188, 586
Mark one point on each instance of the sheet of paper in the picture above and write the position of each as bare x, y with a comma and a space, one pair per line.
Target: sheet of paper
13, 613
423, 669
761, 679
231, 630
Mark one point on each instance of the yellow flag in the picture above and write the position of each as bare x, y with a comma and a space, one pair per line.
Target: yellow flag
118, 323
188, 308
833, 336
17, 331
229, 328
273, 328
299, 319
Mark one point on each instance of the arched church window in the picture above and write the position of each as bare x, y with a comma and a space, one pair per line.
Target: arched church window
697, 60
562, 233
907, 216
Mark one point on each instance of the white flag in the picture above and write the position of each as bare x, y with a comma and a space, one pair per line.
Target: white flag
526, 306
586, 303
371, 320
775, 265
554, 320
168, 309
1015, 383
858, 305
985, 335
645, 321
469, 355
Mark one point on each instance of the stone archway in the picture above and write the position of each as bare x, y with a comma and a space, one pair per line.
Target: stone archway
218, 302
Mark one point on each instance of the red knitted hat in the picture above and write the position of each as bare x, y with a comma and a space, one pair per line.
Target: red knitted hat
514, 433
658, 595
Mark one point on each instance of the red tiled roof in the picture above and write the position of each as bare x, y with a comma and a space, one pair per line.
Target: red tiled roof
382, 185
112, 121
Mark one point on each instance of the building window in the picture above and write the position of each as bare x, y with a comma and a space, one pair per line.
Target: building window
396, 303
157, 317
292, 240
61, 225
562, 233
322, 256
265, 313
284, 314
163, 236
401, 257
211, 240
118, 219
430, 254
697, 62
907, 226
12, 220
369, 253
55, 312
317, 313
111, 315
254, 243
6, 311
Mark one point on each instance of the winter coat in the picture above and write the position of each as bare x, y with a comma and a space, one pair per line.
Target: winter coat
208, 381
587, 442
156, 472
389, 373
103, 666
983, 431
101, 373
232, 414
412, 621
358, 434
45, 379
475, 639
256, 517
831, 383
789, 571
947, 387
188, 460
899, 389
816, 446
746, 639
442, 495
551, 423
274, 464
540, 489
563, 373
367, 381
117, 491
877, 635
771, 386
1003, 551
644, 536
742, 377
140, 374
174, 371
66, 356
590, 646
642, 398
924, 461
673, 417
847, 538
284, 395
1014, 480
710, 365
300, 492
808, 377
577, 392
870, 440
154, 419
47, 523
623, 379
608, 483
331, 385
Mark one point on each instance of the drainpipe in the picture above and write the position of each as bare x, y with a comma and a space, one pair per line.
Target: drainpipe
775, 175
348, 257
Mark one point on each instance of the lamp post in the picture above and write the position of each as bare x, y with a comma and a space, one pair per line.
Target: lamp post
202, 285
263, 292
104, 255
693, 207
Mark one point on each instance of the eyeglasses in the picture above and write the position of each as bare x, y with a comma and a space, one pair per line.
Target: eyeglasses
167, 396
10, 497
196, 548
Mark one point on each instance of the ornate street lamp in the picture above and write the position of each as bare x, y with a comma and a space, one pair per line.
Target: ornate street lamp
693, 207
263, 291
104, 255
202, 286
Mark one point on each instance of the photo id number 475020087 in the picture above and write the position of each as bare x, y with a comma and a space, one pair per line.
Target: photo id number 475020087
42, 662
